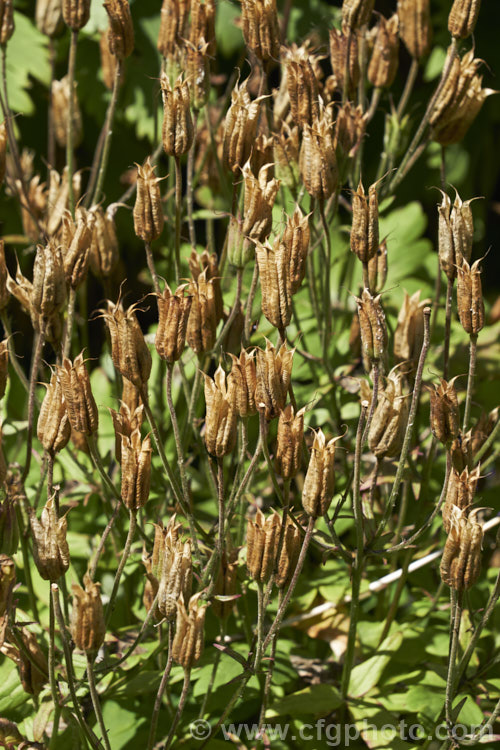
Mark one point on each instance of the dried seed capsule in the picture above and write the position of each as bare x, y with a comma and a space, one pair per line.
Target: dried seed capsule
30, 660
7, 583
470, 297
129, 351
388, 426
383, 64
164, 537
175, 577
202, 322
259, 23
286, 154
364, 232
357, 13
225, 587
461, 562
319, 483
87, 618
462, 229
3, 150
173, 23
60, 94
76, 13
48, 17
121, 28
148, 211
287, 562
243, 380
240, 128
208, 262
50, 548
48, 293
80, 403
462, 18
6, 20
317, 162
136, 470
415, 26
483, 429
296, 240
177, 130
76, 241
189, 636
377, 268
9, 528
108, 62
409, 333
262, 545
459, 493
53, 429
302, 85
275, 282
273, 371
220, 422
173, 315
373, 329
126, 421
445, 414
260, 194
340, 43
104, 253
262, 154
350, 128
288, 457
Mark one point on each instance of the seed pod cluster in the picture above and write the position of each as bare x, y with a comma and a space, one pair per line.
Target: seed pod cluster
177, 130
48, 292
260, 194
387, 429
296, 239
173, 315
220, 422
148, 211
274, 373
357, 13
208, 262
262, 545
302, 85
129, 351
409, 333
415, 26
189, 633
76, 242
462, 18
470, 297
319, 482
80, 404
350, 128
455, 234
87, 618
121, 28
104, 253
175, 575
317, 161
136, 469
30, 660
240, 128
288, 456
242, 379
76, 13
377, 269
203, 317
364, 231
445, 414
461, 561
342, 44
60, 94
383, 64
290, 551
274, 274
53, 429
259, 23
459, 493
173, 26
50, 548
373, 329
225, 585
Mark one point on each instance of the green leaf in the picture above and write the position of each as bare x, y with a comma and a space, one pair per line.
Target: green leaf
27, 56
315, 700
366, 675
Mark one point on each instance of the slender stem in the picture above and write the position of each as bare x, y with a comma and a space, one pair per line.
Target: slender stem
373, 404
447, 327
52, 673
327, 302
151, 266
216, 556
487, 443
464, 661
470, 381
12, 353
27, 562
249, 305
177, 435
66, 349
260, 625
37, 355
180, 708
51, 144
108, 125
357, 568
234, 310
95, 701
215, 667
189, 185
102, 542
264, 428
178, 217
269, 675
125, 555
159, 695
377, 92
407, 91
456, 616
94, 454
71, 118
238, 493
244, 678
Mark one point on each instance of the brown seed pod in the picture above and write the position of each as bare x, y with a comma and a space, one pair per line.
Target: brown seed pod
121, 28
275, 282
175, 576
373, 329
340, 42
262, 545
364, 231
225, 587
48, 293
445, 414
388, 426
463, 17
30, 660
203, 321
296, 239
3, 151
148, 210
288, 458
259, 23
384, 61
273, 371
80, 403
108, 62
470, 297
302, 85
177, 130
287, 562
136, 470
415, 26
286, 154
173, 25
240, 128
104, 253
220, 421
409, 333
129, 351
319, 482
6, 20
461, 561
53, 429
189, 633
48, 16
357, 13
60, 94
173, 315
76, 13
350, 127
242, 379
126, 421
209, 263
7, 583
58, 198
317, 161
164, 537
260, 194
459, 493
377, 268
87, 618
50, 548
76, 242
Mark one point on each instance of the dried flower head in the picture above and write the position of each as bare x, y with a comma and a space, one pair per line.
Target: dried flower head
260, 194
373, 329
129, 351
262, 545
377, 268
48, 16
459, 493
288, 456
357, 13
121, 28
461, 561
445, 414
470, 297
415, 26
225, 586
364, 231
296, 239
286, 154
50, 548
220, 421
87, 618
388, 426
80, 403
209, 263
76, 242
319, 483
302, 85
455, 235
109, 62
259, 23
76, 13
243, 380
275, 281
203, 320
240, 128
189, 633
104, 253
290, 551
48, 292
409, 333
173, 315
6, 20
462, 18
177, 130
30, 660
53, 429
60, 94
148, 211
175, 575
135, 460
384, 61
350, 128
274, 372
342, 44
317, 161
173, 25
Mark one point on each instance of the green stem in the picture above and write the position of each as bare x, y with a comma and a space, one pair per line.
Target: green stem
52, 674
234, 311
177, 436
96, 702
178, 217
456, 616
447, 326
152, 269
159, 695
215, 667
180, 708
470, 381
108, 125
66, 349
249, 304
12, 353
37, 355
407, 91
102, 542
71, 117
121, 566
